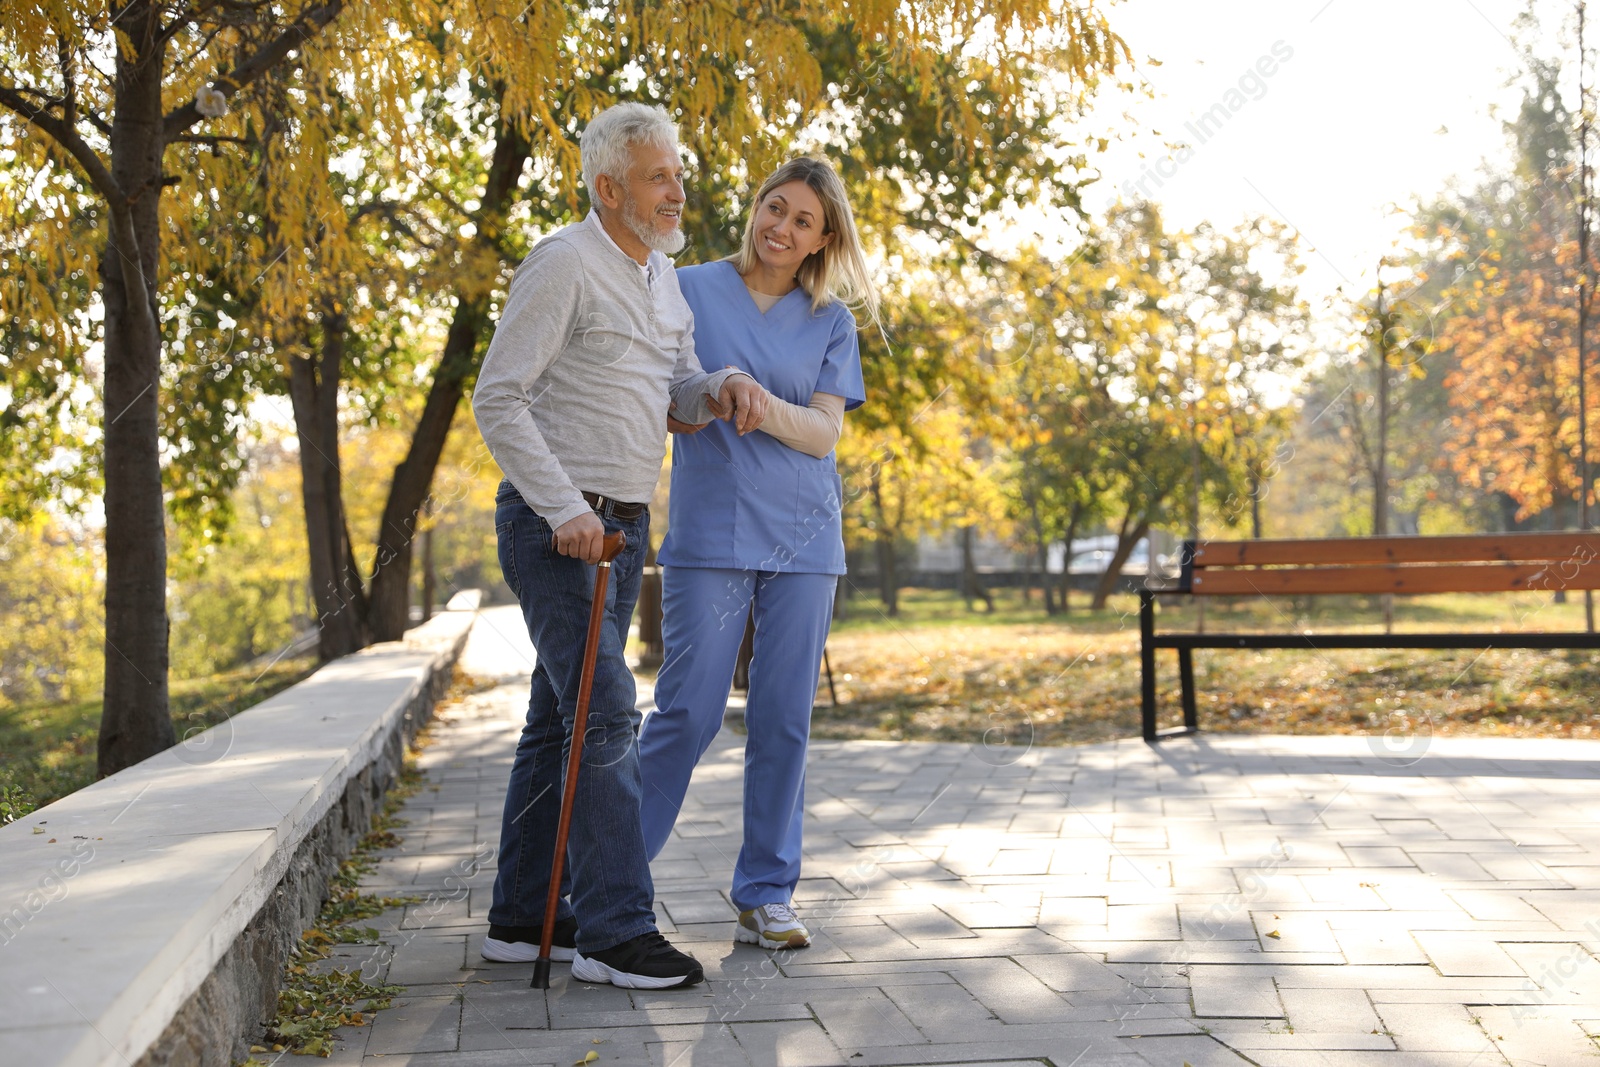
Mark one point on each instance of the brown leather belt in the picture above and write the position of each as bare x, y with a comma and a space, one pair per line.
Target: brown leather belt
616, 509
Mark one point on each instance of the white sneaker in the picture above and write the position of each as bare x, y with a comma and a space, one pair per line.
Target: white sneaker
520, 944
772, 926
645, 962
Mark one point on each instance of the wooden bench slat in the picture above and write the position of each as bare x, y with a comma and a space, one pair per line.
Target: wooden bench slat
1528, 547
1406, 580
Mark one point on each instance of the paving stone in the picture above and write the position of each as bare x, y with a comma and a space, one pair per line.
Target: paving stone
1010, 992
1537, 1036
1565, 972
1145, 922
1078, 1053
1433, 1028
1379, 856
943, 1013
1073, 911
1223, 992
499, 1058
697, 908
1069, 972
1329, 1010
428, 957
863, 1019
349, 1046
928, 924
1455, 955
1353, 1058
978, 930
371, 962
787, 1044
480, 1035
1454, 866
1379, 946
979, 915
416, 1024
716, 1047
1496, 905
1196, 1050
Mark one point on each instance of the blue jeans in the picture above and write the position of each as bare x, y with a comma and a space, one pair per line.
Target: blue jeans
607, 876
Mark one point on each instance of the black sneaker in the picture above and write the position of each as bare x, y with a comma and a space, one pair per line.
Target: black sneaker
645, 962
520, 944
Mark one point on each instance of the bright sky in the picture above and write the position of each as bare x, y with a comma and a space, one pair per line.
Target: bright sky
1368, 104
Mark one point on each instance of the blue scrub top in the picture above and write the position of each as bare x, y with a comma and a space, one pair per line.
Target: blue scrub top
752, 502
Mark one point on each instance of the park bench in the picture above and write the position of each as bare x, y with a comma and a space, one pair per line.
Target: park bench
1480, 563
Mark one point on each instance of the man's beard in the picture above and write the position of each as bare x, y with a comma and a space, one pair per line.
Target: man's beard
643, 228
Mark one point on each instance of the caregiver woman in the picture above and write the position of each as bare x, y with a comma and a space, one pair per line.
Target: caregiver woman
755, 528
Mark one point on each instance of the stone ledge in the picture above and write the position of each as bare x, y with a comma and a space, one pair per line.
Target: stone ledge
150, 920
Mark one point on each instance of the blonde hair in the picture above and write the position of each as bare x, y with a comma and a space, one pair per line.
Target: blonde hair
838, 270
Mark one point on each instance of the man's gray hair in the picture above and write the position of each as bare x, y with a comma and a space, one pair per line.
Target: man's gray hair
604, 143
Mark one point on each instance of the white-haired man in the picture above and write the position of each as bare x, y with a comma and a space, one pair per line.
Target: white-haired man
594, 345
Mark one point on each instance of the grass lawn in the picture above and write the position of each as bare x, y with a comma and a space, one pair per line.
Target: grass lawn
48, 750
937, 672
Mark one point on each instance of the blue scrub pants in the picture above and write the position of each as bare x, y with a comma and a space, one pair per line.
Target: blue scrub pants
703, 616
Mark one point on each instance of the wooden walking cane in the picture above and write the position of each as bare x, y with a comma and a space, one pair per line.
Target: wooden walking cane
614, 543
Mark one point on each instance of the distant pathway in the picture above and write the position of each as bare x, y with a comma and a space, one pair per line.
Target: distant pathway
1286, 902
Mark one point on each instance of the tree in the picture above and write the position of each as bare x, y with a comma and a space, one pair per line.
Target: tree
1395, 339
910, 471
1058, 474
1585, 295
1119, 328
1247, 329
717, 105
96, 83
144, 145
1507, 256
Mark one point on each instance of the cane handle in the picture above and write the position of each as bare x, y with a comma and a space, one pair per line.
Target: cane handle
612, 547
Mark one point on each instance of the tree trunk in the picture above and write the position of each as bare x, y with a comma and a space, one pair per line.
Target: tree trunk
314, 395
1066, 561
888, 580
1027, 577
1113, 575
135, 720
427, 574
1380, 477
413, 478
1255, 504
1585, 481
1045, 591
971, 588
747, 652
652, 648
1043, 548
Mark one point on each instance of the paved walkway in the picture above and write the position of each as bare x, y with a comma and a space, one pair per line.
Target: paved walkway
1286, 902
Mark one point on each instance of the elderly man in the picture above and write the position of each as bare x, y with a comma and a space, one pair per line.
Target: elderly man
594, 346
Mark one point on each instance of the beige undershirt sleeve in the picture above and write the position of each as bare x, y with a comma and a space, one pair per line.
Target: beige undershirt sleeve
813, 429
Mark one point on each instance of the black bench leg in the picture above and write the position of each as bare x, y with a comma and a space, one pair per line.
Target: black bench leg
1147, 663
1191, 716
